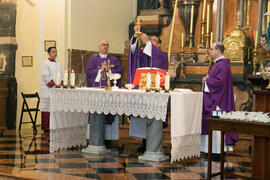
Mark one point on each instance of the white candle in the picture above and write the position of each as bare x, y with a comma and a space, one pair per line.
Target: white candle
148, 81
182, 42
167, 82
191, 20
72, 79
58, 79
211, 39
157, 81
208, 19
66, 78
204, 5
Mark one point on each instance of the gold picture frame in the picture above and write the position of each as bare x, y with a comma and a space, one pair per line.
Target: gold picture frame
49, 43
27, 61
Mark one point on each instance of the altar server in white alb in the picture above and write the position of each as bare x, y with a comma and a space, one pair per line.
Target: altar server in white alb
51, 74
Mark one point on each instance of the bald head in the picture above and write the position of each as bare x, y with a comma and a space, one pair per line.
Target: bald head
216, 50
103, 47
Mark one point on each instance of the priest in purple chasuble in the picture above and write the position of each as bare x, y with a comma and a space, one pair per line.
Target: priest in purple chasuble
151, 56
96, 75
217, 95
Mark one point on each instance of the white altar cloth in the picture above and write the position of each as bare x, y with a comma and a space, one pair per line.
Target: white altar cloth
70, 107
186, 120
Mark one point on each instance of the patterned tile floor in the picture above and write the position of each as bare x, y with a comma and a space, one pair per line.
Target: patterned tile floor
27, 156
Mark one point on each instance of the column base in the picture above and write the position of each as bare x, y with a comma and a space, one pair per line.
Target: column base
154, 156
96, 150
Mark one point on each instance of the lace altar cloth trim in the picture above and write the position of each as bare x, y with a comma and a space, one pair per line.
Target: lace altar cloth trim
185, 147
61, 139
129, 102
45, 104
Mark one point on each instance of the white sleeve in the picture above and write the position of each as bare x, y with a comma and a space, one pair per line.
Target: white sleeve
98, 77
133, 46
45, 73
148, 49
206, 89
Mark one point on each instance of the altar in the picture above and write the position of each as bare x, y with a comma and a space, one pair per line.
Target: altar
70, 109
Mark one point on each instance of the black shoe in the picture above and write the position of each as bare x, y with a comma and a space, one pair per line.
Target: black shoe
142, 148
108, 144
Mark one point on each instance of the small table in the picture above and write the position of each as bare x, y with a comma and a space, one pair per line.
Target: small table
261, 145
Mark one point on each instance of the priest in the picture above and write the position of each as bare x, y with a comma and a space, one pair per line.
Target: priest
49, 69
96, 74
151, 56
217, 95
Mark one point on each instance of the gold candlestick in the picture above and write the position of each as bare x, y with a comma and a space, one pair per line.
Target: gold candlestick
255, 51
247, 24
190, 49
202, 26
208, 19
182, 60
208, 57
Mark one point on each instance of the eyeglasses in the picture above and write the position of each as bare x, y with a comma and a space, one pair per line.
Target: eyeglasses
103, 44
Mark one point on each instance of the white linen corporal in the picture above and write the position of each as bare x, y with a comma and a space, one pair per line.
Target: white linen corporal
49, 70
186, 120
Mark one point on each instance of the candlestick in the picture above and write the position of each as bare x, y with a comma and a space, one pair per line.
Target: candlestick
167, 82
182, 42
72, 79
255, 51
172, 29
208, 19
57, 80
182, 60
211, 39
268, 17
190, 50
191, 19
148, 81
65, 79
157, 84
256, 39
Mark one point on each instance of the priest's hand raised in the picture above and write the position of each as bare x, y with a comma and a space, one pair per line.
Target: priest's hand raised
144, 38
103, 67
137, 28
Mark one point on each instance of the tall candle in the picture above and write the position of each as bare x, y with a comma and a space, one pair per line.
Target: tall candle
203, 11
72, 79
58, 79
157, 81
182, 42
208, 19
66, 78
148, 81
191, 19
256, 39
211, 39
268, 17
167, 82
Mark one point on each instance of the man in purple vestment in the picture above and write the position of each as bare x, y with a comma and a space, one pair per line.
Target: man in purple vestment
217, 94
96, 75
150, 56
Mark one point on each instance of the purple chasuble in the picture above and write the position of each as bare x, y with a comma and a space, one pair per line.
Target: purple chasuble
221, 94
139, 59
92, 68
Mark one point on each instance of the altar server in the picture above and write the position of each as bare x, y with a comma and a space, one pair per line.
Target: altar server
217, 94
51, 71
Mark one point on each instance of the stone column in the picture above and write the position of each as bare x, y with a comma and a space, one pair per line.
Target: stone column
97, 133
222, 16
154, 136
218, 20
259, 23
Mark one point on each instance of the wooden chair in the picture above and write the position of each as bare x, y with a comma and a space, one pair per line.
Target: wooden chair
25, 108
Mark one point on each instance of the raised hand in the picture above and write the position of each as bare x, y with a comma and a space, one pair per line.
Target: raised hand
144, 38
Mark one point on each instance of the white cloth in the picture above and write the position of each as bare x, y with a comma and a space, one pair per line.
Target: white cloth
70, 109
121, 101
48, 73
186, 124
67, 130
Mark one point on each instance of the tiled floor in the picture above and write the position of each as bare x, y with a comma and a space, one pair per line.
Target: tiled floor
27, 156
